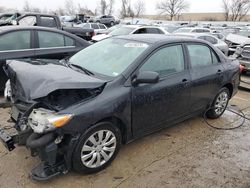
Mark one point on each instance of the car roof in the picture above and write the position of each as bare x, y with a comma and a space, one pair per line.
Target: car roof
157, 38
194, 34
140, 26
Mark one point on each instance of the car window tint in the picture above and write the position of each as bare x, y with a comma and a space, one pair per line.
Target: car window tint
102, 26
141, 31
95, 26
27, 21
215, 58
152, 30
200, 55
15, 41
212, 40
50, 39
48, 21
69, 41
165, 61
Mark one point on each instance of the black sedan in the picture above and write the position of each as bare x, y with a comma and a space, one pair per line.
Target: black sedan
36, 42
77, 114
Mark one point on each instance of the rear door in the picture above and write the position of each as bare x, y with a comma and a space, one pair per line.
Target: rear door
156, 104
13, 45
52, 45
206, 75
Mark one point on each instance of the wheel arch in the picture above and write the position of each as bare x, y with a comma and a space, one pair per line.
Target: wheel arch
119, 124
229, 86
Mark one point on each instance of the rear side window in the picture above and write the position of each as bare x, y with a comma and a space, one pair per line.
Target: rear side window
28, 21
201, 55
153, 31
15, 41
50, 39
48, 21
95, 26
166, 61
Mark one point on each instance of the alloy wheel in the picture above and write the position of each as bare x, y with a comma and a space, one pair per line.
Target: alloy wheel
98, 149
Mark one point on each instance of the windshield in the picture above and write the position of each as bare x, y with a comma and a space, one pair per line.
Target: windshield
183, 30
109, 57
122, 31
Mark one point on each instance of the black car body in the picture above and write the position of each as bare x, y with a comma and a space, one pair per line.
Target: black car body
35, 42
119, 104
52, 21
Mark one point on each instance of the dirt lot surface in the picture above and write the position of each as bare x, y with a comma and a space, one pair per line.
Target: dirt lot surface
189, 154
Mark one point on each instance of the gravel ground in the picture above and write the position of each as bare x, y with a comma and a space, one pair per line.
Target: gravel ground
189, 154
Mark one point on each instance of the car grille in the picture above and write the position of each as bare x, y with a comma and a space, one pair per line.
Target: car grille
246, 52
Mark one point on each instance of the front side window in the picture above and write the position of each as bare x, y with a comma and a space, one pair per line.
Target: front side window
212, 40
166, 61
28, 21
200, 55
109, 57
15, 41
153, 30
95, 26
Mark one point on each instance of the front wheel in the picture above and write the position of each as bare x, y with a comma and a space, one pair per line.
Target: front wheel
97, 148
219, 104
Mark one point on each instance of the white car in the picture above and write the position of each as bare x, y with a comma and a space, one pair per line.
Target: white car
96, 26
220, 44
131, 29
192, 30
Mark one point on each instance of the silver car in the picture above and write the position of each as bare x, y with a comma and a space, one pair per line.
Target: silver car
220, 44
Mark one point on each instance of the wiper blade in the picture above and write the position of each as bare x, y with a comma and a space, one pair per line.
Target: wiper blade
81, 68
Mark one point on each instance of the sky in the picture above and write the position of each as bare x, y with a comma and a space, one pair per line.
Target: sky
195, 5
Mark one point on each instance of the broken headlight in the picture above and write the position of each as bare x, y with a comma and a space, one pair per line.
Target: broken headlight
42, 120
7, 91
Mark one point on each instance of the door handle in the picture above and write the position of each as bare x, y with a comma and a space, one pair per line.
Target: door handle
219, 72
184, 80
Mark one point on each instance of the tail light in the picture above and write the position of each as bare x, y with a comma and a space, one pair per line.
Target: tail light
241, 68
92, 34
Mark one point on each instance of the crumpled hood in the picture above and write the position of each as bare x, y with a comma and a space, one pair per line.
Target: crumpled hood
33, 79
238, 39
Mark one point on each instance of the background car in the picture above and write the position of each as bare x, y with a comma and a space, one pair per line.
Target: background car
36, 42
220, 44
106, 19
131, 29
192, 30
98, 28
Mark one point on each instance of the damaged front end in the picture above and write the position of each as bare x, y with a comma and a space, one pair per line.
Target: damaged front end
38, 118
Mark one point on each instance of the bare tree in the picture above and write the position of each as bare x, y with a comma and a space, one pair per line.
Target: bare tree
235, 10
226, 9
2, 9
26, 7
123, 12
172, 7
239, 9
103, 7
70, 8
139, 8
111, 5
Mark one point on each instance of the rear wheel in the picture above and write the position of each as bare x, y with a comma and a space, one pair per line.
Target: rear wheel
112, 23
219, 105
97, 148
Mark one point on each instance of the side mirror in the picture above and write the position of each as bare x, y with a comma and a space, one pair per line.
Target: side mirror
146, 77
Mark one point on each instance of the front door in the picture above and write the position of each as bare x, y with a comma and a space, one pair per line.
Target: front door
155, 105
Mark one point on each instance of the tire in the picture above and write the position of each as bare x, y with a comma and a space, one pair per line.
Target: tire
112, 23
87, 161
221, 100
